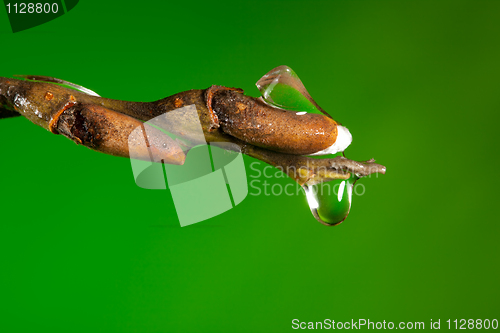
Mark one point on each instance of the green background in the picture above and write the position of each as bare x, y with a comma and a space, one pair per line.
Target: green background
83, 249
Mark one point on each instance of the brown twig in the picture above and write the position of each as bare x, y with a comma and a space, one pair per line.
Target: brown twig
104, 125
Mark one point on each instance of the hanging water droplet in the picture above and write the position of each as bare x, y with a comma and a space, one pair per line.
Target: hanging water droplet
330, 202
282, 88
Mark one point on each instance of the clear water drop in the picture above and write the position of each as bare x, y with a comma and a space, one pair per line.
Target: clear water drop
282, 88
330, 202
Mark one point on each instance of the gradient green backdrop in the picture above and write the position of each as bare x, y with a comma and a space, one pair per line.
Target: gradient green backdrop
83, 249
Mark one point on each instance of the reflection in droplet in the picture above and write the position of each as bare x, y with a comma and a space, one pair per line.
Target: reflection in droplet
330, 202
311, 198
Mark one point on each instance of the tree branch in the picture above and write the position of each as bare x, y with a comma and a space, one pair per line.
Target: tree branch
63, 111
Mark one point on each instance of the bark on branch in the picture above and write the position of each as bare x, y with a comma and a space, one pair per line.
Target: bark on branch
104, 124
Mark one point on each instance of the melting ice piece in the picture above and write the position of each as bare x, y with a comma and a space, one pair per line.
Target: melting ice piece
282, 88
60, 82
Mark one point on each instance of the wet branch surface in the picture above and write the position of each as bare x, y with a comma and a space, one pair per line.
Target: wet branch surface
104, 124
